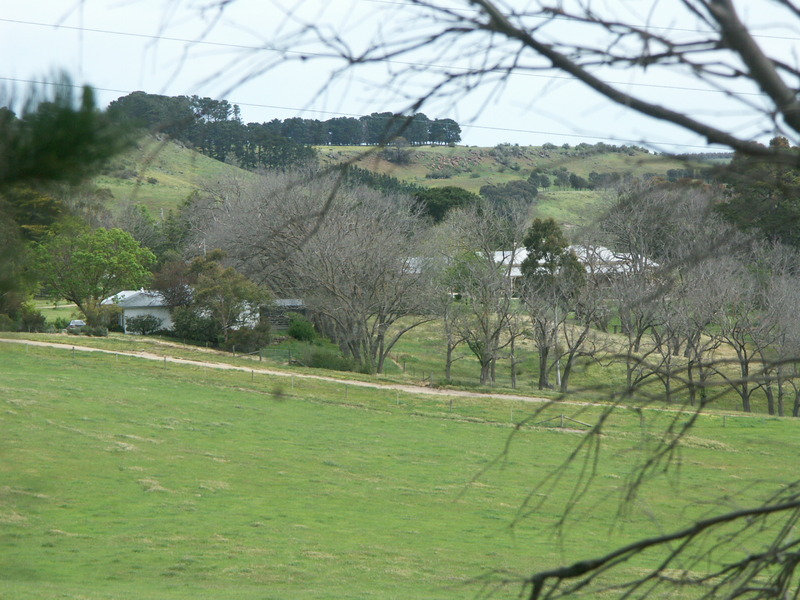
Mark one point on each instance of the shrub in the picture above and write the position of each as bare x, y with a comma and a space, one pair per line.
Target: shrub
7, 323
31, 319
60, 323
189, 325
249, 339
98, 331
328, 358
444, 172
143, 324
301, 328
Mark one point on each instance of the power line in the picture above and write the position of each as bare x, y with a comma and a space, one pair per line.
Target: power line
387, 61
355, 115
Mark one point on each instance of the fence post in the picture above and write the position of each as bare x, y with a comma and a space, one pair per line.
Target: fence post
165, 362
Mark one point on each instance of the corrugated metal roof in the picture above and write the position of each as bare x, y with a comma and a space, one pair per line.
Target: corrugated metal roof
137, 299
289, 302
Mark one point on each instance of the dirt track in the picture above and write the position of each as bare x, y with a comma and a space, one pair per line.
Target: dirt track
412, 389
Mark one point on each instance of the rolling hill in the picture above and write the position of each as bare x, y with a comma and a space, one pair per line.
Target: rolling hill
160, 174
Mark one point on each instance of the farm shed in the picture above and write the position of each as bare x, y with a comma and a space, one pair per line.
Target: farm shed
277, 313
136, 303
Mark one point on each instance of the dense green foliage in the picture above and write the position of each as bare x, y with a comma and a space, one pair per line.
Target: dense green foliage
87, 268
380, 181
215, 128
213, 303
764, 196
301, 328
436, 202
53, 139
143, 324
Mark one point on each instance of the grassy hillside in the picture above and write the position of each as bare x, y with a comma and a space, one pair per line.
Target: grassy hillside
161, 175
123, 478
472, 168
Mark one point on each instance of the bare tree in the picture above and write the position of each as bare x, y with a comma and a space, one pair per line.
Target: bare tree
483, 243
776, 336
783, 299
361, 271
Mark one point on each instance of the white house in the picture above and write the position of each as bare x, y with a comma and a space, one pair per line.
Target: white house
136, 303
597, 260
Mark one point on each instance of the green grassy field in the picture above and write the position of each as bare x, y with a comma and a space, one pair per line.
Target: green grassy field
123, 478
161, 175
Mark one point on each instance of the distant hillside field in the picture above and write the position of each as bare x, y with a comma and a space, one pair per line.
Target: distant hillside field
474, 167
160, 175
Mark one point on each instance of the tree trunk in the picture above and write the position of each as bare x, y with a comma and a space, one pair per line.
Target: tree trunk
449, 361
567, 371
544, 380
485, 371
513, 366
796, 406
770, 399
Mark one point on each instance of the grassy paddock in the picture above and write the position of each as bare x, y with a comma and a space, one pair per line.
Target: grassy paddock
124, 479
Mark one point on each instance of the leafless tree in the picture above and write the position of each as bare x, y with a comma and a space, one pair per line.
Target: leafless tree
784, 298
547, 310
741, 328
482, 243
776, 336
362, 272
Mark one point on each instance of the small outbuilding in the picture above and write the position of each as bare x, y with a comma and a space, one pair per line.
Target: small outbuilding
137, 303
279, 311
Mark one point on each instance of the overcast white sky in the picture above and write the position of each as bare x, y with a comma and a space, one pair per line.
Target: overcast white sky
119, 46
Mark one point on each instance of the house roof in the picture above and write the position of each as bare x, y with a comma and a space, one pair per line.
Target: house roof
137, 299
289, 303
597, 259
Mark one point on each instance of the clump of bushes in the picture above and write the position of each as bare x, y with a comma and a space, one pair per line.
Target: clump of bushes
249, 339
328, 357
98, 331
444, 172
7, 323
189, 325
27, 318
143, 324
60, 323
301, 328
